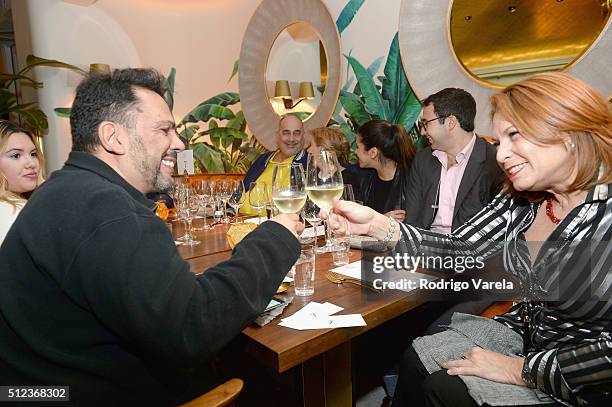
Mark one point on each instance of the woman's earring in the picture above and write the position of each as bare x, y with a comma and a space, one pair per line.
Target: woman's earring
571, 145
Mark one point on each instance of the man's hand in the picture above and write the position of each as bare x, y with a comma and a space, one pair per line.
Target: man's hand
291, 221
398, 214
488, 365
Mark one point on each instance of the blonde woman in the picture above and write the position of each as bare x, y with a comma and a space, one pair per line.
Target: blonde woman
326, 138
20, 172
553, 225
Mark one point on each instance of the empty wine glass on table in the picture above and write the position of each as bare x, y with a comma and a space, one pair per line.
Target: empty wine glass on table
202, 191
224, 192
188, 206
323, 184
258, 197
236, 200
288, 187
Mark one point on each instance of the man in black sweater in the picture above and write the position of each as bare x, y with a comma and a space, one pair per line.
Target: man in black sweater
93, 293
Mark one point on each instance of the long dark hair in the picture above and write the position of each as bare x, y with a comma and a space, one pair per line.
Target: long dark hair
391, 140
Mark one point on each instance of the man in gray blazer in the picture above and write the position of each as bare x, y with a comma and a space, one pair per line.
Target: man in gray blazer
458, 175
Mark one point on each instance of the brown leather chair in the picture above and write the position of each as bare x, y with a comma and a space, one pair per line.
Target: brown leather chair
220, 396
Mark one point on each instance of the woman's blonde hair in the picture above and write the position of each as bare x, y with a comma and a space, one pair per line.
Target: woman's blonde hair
7, 129
554, 108
332, 139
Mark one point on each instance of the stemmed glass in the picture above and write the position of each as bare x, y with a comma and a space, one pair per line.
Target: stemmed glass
224, 192
258, 197
237, 198
188, 206
202, 190
323, 184
310, 213
288, 187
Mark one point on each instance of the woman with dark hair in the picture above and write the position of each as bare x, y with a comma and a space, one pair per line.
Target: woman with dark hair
552, 225
387, 150
20, 171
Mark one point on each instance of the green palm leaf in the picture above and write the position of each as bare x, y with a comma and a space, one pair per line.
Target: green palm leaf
208, 157
395, 85
234, 71
63, 112
373, 100
223, 99
169, 94
408, 113
34, 61
204, 112
355, 108
347, 14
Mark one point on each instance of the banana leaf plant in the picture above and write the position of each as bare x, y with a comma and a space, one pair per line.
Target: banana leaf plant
390, 99
28, 114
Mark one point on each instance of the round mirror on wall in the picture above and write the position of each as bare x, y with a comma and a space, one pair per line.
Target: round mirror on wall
296, 71
502, 42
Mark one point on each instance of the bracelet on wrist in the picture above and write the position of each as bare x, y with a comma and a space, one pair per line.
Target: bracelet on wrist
390, 233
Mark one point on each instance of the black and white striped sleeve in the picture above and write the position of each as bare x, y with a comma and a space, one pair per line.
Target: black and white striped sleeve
482, 235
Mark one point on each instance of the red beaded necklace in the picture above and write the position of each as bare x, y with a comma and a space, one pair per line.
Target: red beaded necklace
550, 213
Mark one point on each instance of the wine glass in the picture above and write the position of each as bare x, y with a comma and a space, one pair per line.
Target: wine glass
188, 206
237, 198
202, 190
258, 197
347, 193
224, 192
310, 213
288, 187
323, 184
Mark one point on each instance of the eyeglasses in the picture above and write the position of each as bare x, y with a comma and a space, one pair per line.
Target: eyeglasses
424, 123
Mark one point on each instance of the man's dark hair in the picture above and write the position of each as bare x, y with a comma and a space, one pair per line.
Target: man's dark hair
109, 97
455, 102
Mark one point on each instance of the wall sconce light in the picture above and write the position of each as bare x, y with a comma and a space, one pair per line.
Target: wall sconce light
282, 91
99, 69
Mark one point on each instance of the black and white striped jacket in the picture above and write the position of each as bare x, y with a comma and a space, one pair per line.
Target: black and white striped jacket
571, 332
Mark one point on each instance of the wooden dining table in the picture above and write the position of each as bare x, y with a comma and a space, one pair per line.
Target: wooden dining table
322, 356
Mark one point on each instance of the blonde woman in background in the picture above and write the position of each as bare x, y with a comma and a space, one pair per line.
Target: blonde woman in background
326, 138
21, 165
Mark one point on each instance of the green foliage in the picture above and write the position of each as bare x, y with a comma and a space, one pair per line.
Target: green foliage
347, 14
169, 94
390, 99
32, 118
230, 150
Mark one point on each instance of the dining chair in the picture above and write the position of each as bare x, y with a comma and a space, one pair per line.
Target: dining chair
222, 395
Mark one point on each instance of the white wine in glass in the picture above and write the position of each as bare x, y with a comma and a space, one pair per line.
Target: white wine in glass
323, 184
289, 187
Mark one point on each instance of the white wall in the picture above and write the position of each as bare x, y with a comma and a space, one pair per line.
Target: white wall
200, 38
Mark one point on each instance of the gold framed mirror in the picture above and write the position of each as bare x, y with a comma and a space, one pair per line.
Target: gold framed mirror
270, 19
431, 63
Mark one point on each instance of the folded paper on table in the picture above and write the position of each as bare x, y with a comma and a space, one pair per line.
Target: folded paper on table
319, 316
353, 270
237, 232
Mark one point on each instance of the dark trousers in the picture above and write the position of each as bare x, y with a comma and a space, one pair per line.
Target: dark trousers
416, 387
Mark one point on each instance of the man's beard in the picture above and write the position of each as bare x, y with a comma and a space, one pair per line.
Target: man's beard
150, 171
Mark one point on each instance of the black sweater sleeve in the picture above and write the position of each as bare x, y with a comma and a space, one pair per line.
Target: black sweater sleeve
139, 287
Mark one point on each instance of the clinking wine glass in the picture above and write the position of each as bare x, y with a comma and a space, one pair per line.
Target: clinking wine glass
310, 213
324, 184
236, 200
288, 187
258, 197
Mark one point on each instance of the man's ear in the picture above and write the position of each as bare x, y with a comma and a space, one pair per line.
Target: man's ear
112, 138
451, 122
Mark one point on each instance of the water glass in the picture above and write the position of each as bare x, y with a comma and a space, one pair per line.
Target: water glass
304, 276
340, 255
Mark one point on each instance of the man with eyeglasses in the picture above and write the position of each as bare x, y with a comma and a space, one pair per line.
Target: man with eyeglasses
458, 175
290, 141
454, 178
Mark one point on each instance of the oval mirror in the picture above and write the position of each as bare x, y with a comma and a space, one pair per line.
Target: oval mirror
296, 71
502, 42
